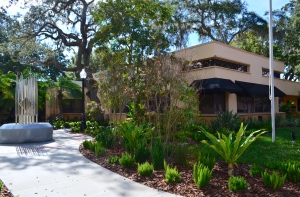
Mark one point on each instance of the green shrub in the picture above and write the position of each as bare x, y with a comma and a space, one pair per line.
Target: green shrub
126, 160
157, 154
207, 161
226, 120
105, 136
273, 181
292, 171
181, 154
141, 152
113, 159
171, 174
181, 136
256, 170
88, 144
1, 186
145, 169
99, 149
237, 183
202, 175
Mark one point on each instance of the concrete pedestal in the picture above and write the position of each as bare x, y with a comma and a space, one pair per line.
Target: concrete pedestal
22, 133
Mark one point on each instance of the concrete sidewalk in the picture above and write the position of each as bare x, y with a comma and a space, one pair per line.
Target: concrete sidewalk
58, 169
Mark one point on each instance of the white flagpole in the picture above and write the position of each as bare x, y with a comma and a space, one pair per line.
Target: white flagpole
271, 73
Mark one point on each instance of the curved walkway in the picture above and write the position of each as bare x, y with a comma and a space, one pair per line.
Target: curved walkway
57, 169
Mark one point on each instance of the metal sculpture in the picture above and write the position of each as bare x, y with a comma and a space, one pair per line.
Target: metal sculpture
26, 100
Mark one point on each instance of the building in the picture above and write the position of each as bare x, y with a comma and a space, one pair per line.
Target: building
231, 79
227, 78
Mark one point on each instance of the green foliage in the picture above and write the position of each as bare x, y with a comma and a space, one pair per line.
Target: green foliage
229, 148
105, 136
273, 181
171, 174
113, 159
181, 154
237, 183
292, 171
287, 108
126, 160
99, 149
256, 170
93, 111
88, 144
202, 175
141, 152
225, 122
157, 154
1, 186
207, 161
131, 133
145, 169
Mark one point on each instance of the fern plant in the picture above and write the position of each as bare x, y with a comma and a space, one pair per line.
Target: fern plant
113, 159
145, 169
230, 148
292, 171
126, 160
256, 170
207, 161
171, 174
237, 183
99, 149
273, 181
202, 175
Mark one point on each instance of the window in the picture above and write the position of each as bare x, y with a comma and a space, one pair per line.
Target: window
72, 106
217, 62
212, 102
266, 73
253, 103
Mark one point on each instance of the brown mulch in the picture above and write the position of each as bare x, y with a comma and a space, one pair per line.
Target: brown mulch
5, 192
216, 188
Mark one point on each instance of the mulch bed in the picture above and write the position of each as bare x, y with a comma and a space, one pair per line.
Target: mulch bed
5, 192
217, 186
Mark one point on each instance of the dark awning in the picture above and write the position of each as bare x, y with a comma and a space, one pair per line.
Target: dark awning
217, 84
254, 88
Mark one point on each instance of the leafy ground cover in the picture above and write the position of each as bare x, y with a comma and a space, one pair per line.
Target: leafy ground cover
261, 152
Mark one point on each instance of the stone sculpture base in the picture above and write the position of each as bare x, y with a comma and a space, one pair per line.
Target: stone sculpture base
21, 133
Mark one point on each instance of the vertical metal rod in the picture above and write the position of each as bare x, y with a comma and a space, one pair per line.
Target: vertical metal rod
271, 75
83, 115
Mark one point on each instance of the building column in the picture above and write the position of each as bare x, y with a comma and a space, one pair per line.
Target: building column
276, 103
231, 102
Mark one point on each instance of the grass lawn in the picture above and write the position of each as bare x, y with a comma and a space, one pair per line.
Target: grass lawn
264, 151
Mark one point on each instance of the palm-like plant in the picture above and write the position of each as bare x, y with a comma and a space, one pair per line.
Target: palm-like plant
229, 148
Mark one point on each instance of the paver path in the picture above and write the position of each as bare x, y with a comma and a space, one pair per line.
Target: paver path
58, 169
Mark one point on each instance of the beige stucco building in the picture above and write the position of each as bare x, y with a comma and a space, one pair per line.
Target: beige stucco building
228, 79
231, 79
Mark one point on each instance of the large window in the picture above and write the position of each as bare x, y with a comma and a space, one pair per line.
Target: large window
253, 103
217, 62
72, 106
212, 102
266, 73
